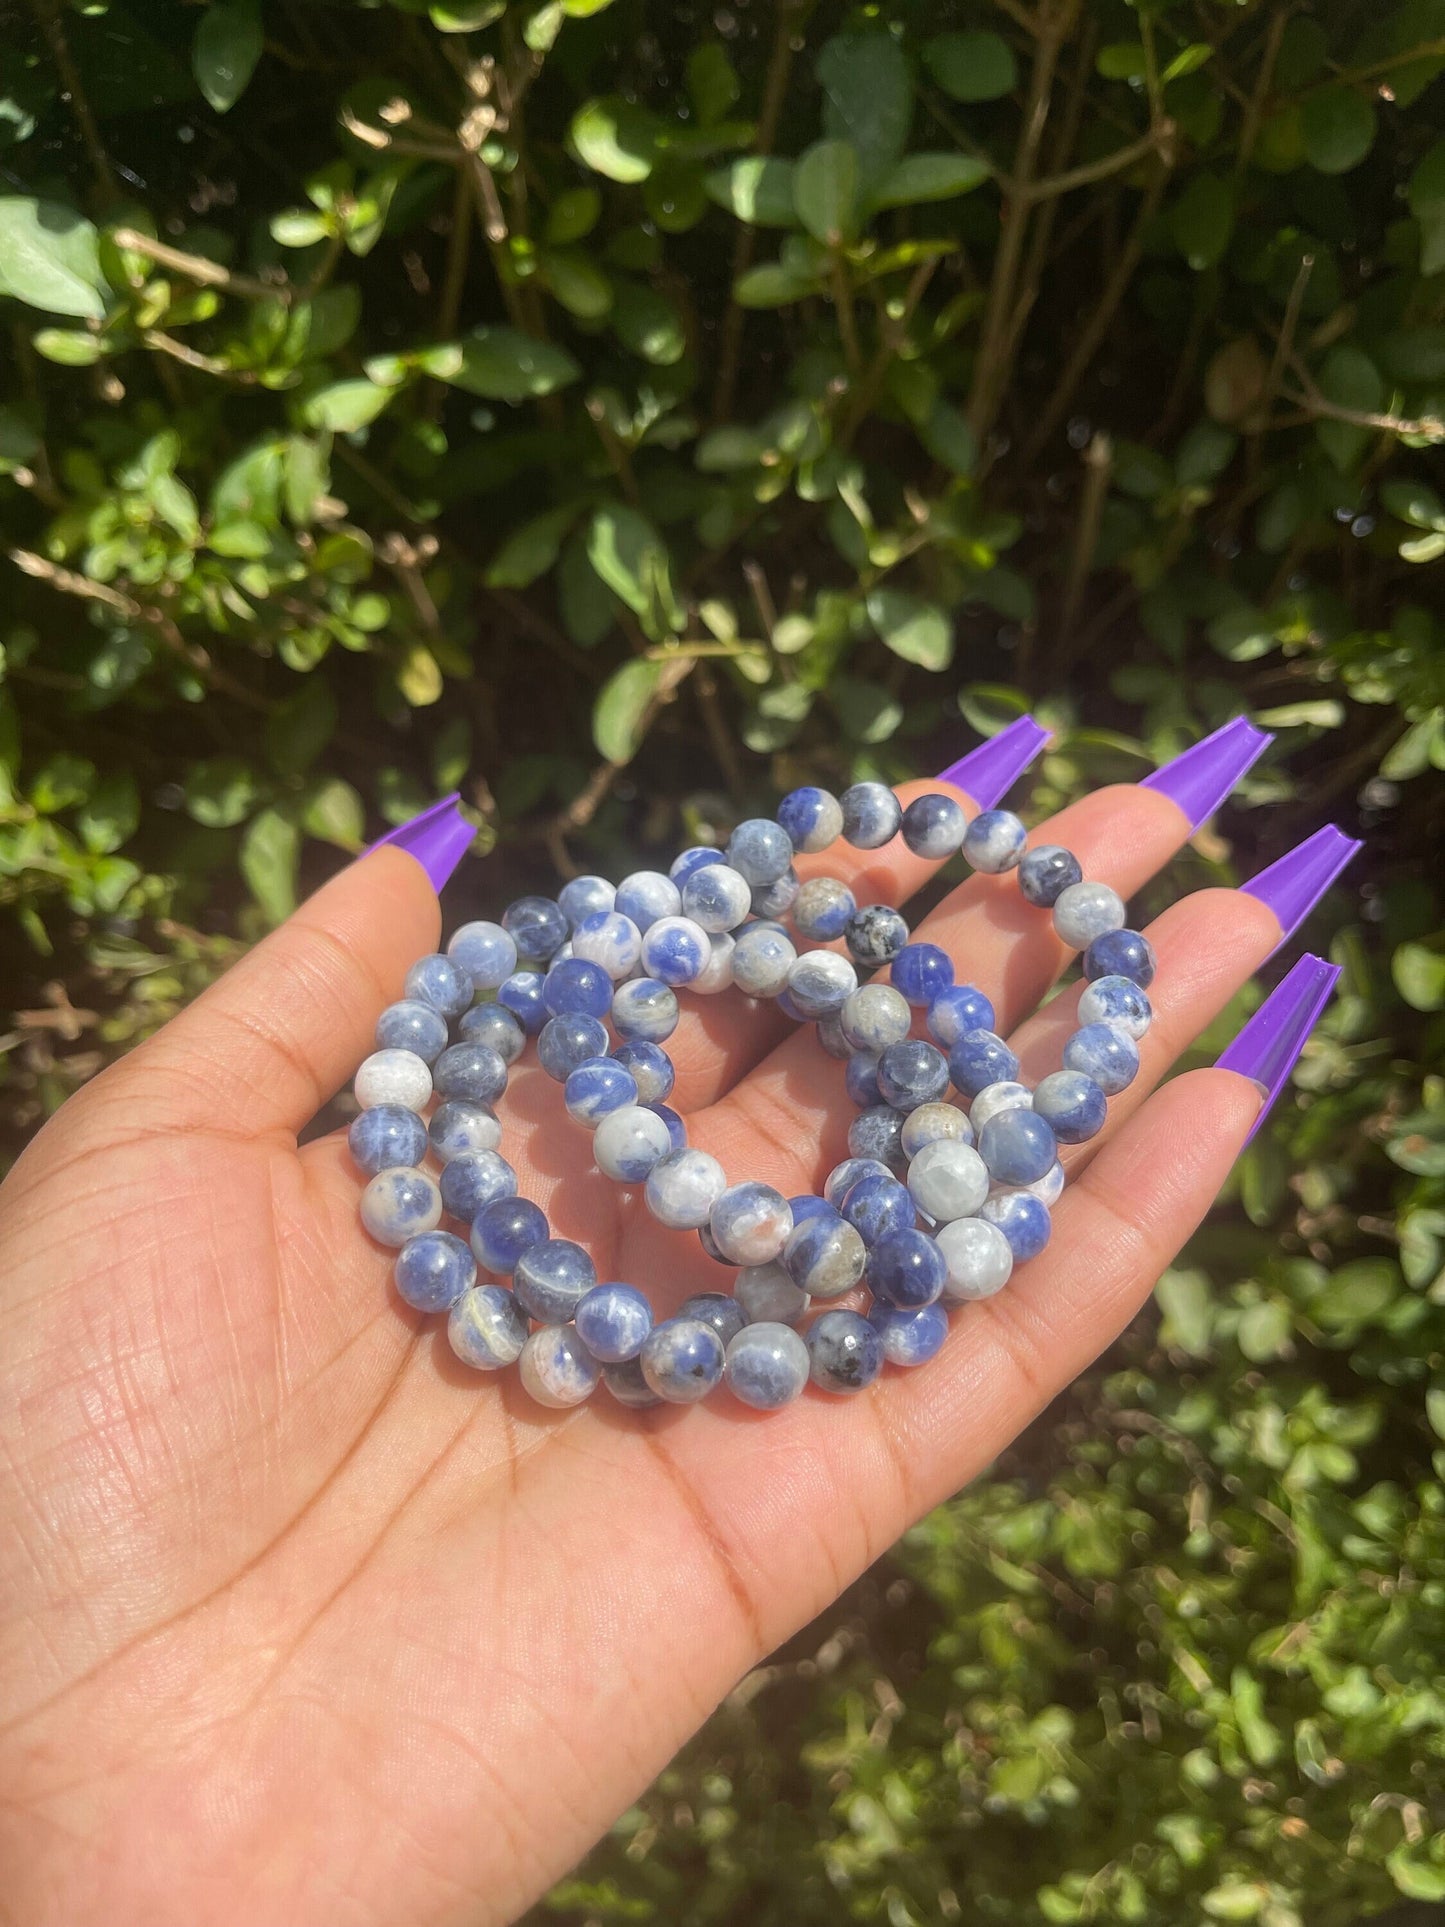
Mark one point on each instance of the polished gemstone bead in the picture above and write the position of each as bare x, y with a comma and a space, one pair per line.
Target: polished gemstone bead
612, 1322
871, 815
683, 1187
552, 1278
948, 1180
496, 1027
845, 1353
995, 841
577, 987
485, 952
645, 1011
933, 827
934, 1124
690, 861
1006, 1095
878, 1206
584, 897
861, 1079
412, 1026
820, 982
440, 982
776, 899
878, 1133
458, 1127
909, 1337
762, 958
433, 1269
473, 1072
399, 1204
766, 1294
504, 1231
566, 1042
979, 1259
610, 941
766, 1365
716, 1308
1017, 1146
875, 935
875, 1016
912, 1073
522, 994
1116, 1001
675, 950
557, 1369
1108, 1055
1073, 1104
813, 818
1023, 1219
537, 926
841, 1179
921, 971
682, 1359
761, 849
387, 1137
956, 1010
627, 1143
474, 1179
647, 896
1120, 953
672, 1123
829, 1033
825, 1255
750, 1223
717, 973
651, 1068
1087, 910
809, 1205
906, 1268
393, 1077
1050, 1187
1046, 872
717, 898
981, 1058
628, 1386
487, 1328
823, 909
596, 1089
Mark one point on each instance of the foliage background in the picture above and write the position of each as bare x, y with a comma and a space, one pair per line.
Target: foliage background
626, 411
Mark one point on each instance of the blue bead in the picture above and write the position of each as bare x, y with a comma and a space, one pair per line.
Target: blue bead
412, 1026
979, 1059
876, 1207
871, 815
921, 971
912, 1073
675, 950
906, 1268
537, 926
645, 1011
960, 1008
691, 861
1106, 1054
861, 1078
994, 841
552, 1279
611, 940
433, 1270
813, 818
596, 1089
612, 1322
809, 1205
845, 1352
820, 982
1116, 1001
503, 1230
1118, 953
682, 1359
521, 994
1022, 1218
485, 952
486, 1328
651, 1069
474, 1180
569, 1041
647, 896
878, 1133
766, 1366
761, 849
1045, 874
851, 1171
398, 1204
716, 1308
825, 1256
717, 899
495, 1026
909, 1337
777, 898
823, 909
933, 827
628, 1386
473, 1072
1073, 1105
584, 897
438, 981
676, 1129
1018, 1147
458, 1126
387, 1138
875, 935
576, 986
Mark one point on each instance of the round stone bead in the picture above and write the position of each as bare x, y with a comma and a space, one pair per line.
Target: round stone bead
1045, 874
767, 1295
584, 897
683, 1187
690, 861
504, 1231
716, 1308
628, 1386
433, 1269
627, 1143
552, 1278
613, 1321
474, 1179
473, 1072
934, 1124
909, 1337
522, 994
609, 940
496, 1027
1050, 1187
933, 827
1022, 1218
672, 1124
921, 971
766, 1366
1085, 911
981, 1058
537, 926
412, 1026
821, 982
717, 898
1116, 1001
871, 815
823, 909
400, 1204
875, 935
566, 1042
596, 1089
1073, 1105
875, 1016
995, 841
645, 1011
1109, 1056
777, 898
682, 1359
646, 896
750, 1223
393, 1077
841, 1179
876, 1207
825, 1256
486, 1328
651, 1069
675, 950
878, 1133
485, 951
761, 849
762, 958
717, 973
387, 1138
459, 1127
1119, 953
845, 1353
960, 1008
440, 982
948, 1180
813, 818
557, 1369
912, 1073
809, 1205
577, 986
861, 1078
978, 1257
906, 1268
1006, 1095
1017, 1146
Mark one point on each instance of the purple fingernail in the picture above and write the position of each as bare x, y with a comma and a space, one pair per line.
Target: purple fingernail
1294, 885
1268, 1047
1200, 779
989, 772
439, 838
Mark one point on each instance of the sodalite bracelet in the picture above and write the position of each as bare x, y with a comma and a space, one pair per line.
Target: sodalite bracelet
932, 1209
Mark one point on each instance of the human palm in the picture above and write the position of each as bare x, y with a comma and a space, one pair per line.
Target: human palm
300, 1620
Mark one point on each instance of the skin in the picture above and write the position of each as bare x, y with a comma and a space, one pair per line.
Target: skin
301, 1620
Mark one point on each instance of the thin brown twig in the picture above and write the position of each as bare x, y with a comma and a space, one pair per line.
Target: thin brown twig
1098, 468
48, 13
1264, 80
195, 267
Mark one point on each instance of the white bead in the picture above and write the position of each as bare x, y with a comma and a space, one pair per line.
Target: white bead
393, 1077
718, 974
627, 1143
1050, 1187
948, 1180
978, 1258
1087, 910
609, 939
683, 1187
1003, 1096
768, 1296
557, 1368
717, 898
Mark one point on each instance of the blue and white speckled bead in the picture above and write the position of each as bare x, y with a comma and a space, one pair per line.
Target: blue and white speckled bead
761, 849
717, 973
875, 935
1050, 1187
472, 1072
1046, 872
651, 1069
610, 940
399, 1204
807, 1204
716, 1308
825, 1255
1006, 1095
861, 1079
596, 1089
777, 898
1018, 1147
829, 1033
1109, 1056
909, 1337
921, 971
717, 898
765, 1294
876, 1206
645, 1011
959, 1008
433, 1269
676, 1129
1087, 910
878, 1133
629, 1142
574, 984
566, 1042
766, 1366
557, 1369
1073, 1104
537, 926
486, 1328
1116, 1001
933, 827
845, 1353
613, 1321
496, 1027
750, 1223
675, 950
627, 1385
1121, 953
458, 1127
912, 1073
821, 982
387, 1138
841, 1179
683, 1187
1023, 1219
934, 1124
523, 994
948, 1180
552, 1278
762, 958
813, 818
688, 862
393, 1077
504, 1231
875, 1016
646, 896
871, 815
994, 842
584, 897
440, 982
978, 1257
485, 951
412, 1026
474, 1179
823, 909
682, 1360
981, 1058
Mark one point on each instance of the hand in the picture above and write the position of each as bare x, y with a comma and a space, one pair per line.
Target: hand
302, 1621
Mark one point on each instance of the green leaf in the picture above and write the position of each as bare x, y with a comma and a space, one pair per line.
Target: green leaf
617, 715
617, 138
757, 189
464, 16
530, 550
1427, 204
1339, 129
649, 324
419, 677
1356, 1294
345, 405
225, 50
928, 177
1202, 220
584, 602
1414, 502
1188, 1307
1264, 1330
631, 557
503, 364
1351, 380
49, 257
945, 433
1122, 60
300, 727
1187, 61
572, 215
917, 631
332, 811
771, 285
825, 191
577, 282
972, 66
1204, 454
867, 98
220, 792
1419, 974
108, 816
269, 853
71, 347
1415, 1876
712, 81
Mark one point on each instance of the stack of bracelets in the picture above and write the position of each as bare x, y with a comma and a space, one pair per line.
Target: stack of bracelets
933, 1208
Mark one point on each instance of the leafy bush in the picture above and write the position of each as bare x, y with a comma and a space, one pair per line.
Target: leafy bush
620, 412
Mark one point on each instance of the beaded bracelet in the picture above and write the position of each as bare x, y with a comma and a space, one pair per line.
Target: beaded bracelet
982, 1181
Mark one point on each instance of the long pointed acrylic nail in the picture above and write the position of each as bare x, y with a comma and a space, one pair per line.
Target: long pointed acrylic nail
1268, 1047
1293, 886
989, 772
1200, 779
438, 838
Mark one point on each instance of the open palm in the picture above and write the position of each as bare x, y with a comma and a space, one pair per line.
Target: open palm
302, 1621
